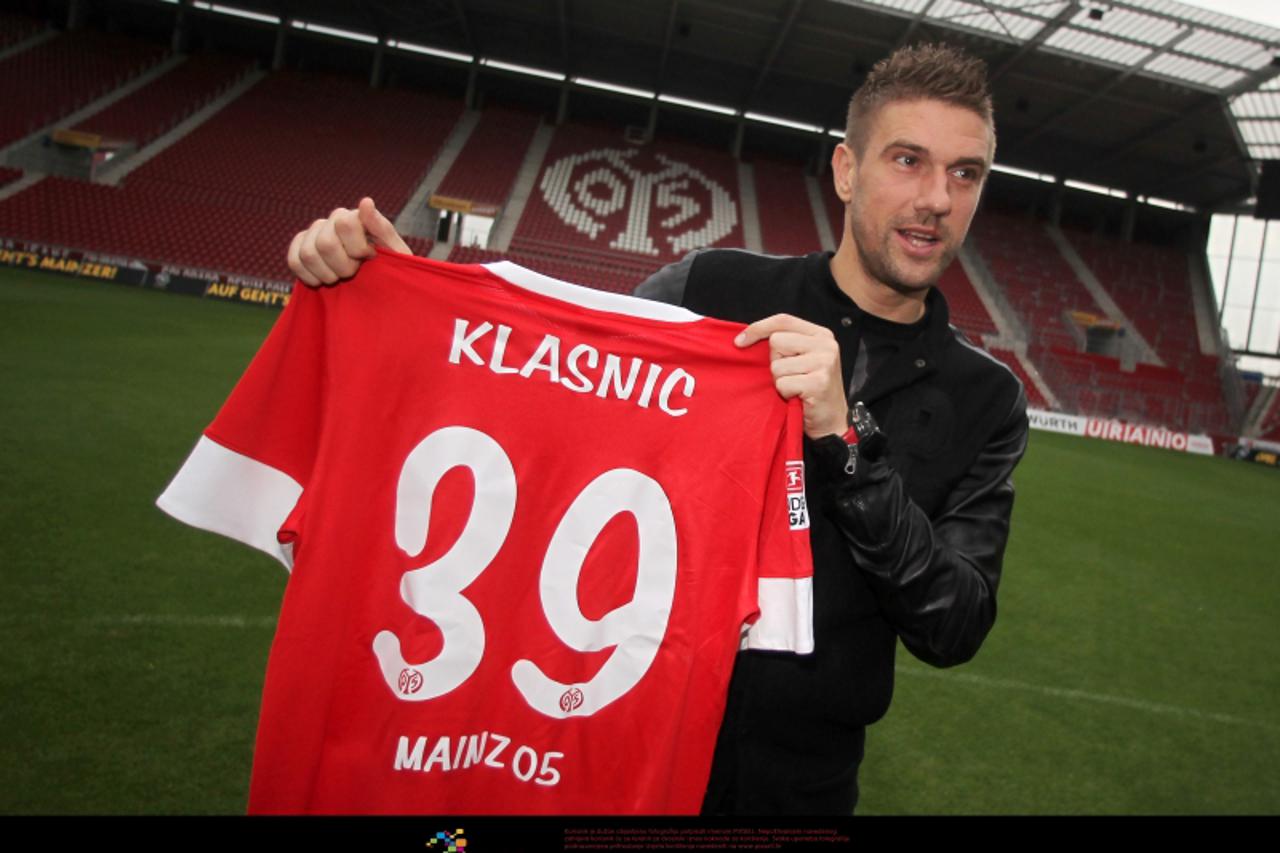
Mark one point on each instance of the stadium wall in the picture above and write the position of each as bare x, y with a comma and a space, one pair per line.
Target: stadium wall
190, 281
212, 285
1108, 429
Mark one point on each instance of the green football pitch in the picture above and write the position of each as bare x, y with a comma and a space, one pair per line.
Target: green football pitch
1132, 668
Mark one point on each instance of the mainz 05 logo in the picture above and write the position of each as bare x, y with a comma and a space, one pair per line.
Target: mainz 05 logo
607, 195
410, 681
571, 700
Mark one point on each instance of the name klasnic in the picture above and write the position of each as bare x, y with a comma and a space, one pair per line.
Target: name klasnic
582, 369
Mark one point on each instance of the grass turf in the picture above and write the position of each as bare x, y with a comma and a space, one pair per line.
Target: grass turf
1130, 670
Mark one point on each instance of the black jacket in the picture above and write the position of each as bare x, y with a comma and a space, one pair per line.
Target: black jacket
915, 554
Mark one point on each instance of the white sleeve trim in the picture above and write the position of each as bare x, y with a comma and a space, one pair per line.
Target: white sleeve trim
589, 297
786, 617
229, 493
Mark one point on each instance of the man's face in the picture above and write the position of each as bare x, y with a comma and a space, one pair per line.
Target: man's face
913, 192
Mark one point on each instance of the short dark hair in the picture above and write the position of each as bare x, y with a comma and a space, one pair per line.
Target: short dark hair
935, 72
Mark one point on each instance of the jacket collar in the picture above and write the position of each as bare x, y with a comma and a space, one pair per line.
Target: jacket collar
917, 358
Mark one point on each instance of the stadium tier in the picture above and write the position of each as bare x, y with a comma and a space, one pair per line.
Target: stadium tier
572, 267
43, 83
786, 216
1040, 285
641, 205
1035, 399
967, 311
1251, 391
304, 143
15, 28
603, 211
119, 221
230, 195
1152, 286
167, 100
1270, 426
486, 168
420, 246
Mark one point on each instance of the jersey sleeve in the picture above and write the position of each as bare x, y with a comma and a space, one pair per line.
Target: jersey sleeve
785, 570
246, 476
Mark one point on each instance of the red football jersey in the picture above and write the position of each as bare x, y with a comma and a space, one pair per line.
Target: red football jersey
529, 526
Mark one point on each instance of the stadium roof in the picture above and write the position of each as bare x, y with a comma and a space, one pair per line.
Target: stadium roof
1152, 97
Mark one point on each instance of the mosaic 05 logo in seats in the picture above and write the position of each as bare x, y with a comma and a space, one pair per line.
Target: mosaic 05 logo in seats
633, 201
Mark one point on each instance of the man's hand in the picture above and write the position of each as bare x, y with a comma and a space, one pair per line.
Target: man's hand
333, 248
805, 360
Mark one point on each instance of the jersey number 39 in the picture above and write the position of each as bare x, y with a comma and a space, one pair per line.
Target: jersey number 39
434, 591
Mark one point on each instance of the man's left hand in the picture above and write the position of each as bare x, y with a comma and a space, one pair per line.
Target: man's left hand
805, 360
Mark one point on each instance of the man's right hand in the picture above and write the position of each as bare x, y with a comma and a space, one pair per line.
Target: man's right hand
333, 249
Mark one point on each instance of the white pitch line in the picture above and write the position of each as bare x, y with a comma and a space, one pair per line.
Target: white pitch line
1100, 698
183, 621
175, 620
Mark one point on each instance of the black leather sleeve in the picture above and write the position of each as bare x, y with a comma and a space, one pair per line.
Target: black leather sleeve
935, 580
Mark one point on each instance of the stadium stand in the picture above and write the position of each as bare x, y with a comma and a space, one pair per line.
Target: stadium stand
270, 148
167, 100
786, 217
65, 212
486, 169
1270, 426
15, 28
1251, 391
229, 196
1151, 285
473, 255
586, 200
420, 246
967, 311
573, 267
1039, 284
1035, 399
40, 85
604, 212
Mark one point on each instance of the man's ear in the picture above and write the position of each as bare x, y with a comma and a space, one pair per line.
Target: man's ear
844, 171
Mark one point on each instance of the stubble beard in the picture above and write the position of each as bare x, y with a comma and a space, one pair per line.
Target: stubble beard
880, 265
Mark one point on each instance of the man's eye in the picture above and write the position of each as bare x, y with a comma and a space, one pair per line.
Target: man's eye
966, 174
906, 159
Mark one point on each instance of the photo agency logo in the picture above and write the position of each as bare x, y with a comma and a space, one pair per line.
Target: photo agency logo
448, 842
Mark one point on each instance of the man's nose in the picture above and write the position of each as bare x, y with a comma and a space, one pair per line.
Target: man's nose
934, 193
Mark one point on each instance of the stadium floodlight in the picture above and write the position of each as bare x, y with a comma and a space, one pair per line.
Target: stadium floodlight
614, 87
1164, 202
349, 35
1095, 188
838, 134
523, 69
697, 105
431, 51
234, 12
1023, 173
783, 122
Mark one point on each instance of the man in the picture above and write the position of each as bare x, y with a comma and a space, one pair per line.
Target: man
907, 542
